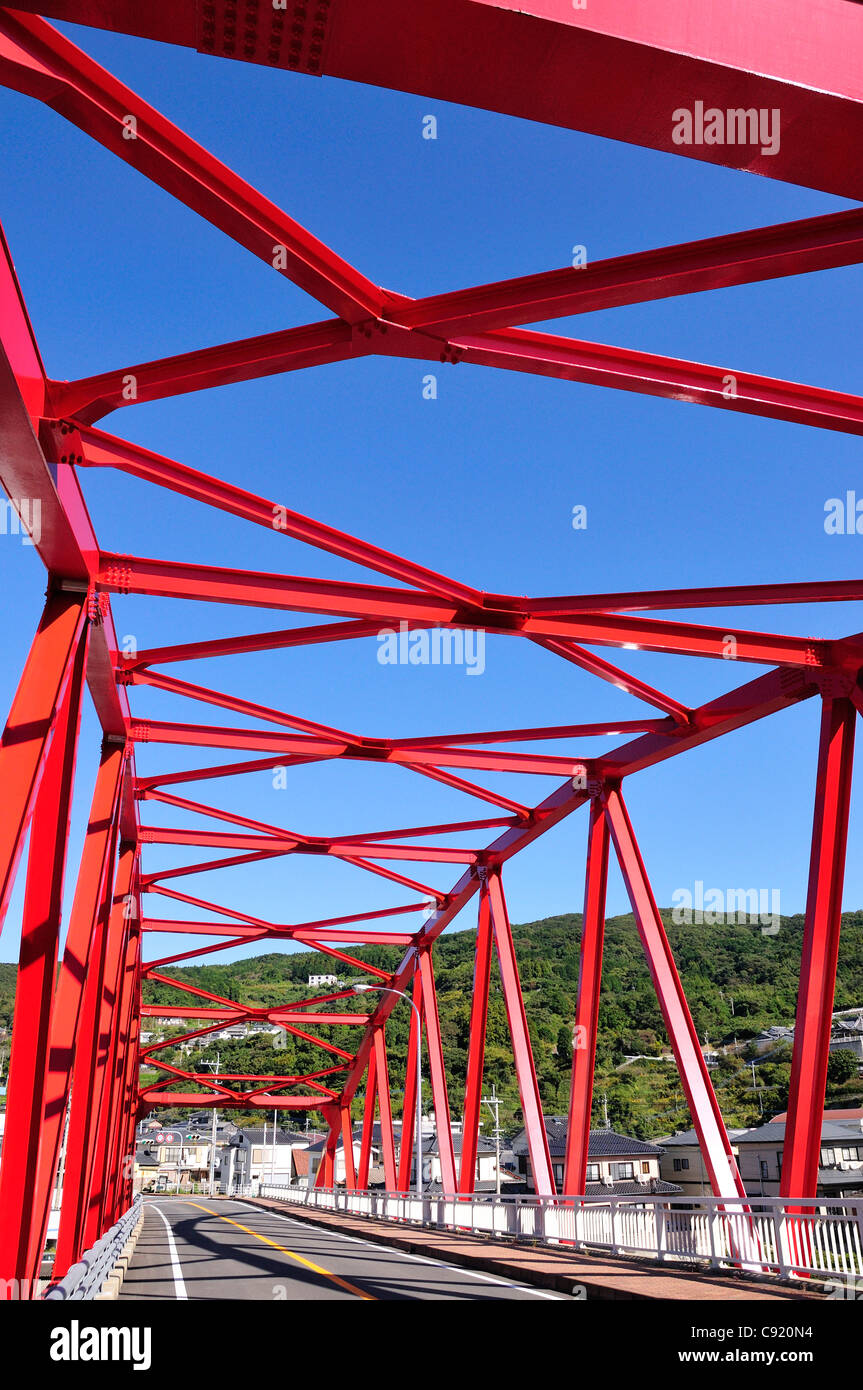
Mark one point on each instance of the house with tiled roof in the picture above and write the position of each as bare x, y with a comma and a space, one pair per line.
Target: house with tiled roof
682, 1161
617, 1164
759, 1153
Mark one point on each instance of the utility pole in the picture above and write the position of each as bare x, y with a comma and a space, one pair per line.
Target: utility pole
755, 1088
605, 1109
493, 1104
213, 1135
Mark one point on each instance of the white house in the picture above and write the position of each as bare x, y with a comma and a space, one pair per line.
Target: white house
315, 1156
252, 1156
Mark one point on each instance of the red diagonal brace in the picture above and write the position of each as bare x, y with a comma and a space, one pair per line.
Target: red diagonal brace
704, 1107
800, 1160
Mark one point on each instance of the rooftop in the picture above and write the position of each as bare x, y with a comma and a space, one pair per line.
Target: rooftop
603, 1143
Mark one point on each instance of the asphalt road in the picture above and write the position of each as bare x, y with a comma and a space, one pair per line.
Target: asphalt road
196, 1249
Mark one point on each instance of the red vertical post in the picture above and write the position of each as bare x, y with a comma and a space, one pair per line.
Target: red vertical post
368, 1125
120, 1110
476, 1043
34, 993
820, 951
24, 740
443, 1125
110, 1029
114, 1170
587, 1004
121, 1161
126, 1186
700, 1095
77, 960
409, 1109
87, 1077
327, 1167
528, 1086
385, 1106
348, 1146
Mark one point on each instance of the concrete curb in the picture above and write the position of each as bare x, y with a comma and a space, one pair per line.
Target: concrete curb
114, 1282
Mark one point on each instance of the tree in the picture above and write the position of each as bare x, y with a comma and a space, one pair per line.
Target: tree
564, 1048
841, 1066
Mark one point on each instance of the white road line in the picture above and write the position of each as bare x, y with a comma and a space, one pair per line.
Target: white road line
418, 1259
176, 1267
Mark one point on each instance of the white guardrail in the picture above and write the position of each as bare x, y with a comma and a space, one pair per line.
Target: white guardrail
765, 1235
85, 1279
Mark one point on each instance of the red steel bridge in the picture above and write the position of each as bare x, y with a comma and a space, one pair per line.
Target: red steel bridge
616, 70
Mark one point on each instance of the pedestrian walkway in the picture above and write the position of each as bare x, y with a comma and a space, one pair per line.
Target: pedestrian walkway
567, 1272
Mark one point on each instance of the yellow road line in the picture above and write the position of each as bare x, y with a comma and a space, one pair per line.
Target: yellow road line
342, 1283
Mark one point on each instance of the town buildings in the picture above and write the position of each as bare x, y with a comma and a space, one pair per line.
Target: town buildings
617, 1164
759, 1157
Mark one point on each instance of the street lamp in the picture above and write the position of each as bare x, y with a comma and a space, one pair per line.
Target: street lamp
383, 989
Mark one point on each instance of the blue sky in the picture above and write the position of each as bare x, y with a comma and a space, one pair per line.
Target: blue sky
479, 483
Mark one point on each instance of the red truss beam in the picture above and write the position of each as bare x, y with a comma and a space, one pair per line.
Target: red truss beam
279, 640
73, 1021
587, 1004
309, 934
790, 248
98, 449
287, 844
41, 62
206, 774
231, 1093
476, 1045
150, 1096
37, 60
770, 55
801, 1157
308, 928
207, 584
202, 951
515, 349
238, 1013
411, 1097
83, 1037
598, 666
248, 707
151, 880
65, 543
25, 739
754, 701
704, 1107
24, 1207
356, 938
528, 1086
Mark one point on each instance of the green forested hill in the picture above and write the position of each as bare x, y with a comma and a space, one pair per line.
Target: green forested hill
737, 980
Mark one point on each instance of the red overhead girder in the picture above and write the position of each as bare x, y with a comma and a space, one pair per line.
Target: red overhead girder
635, 62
